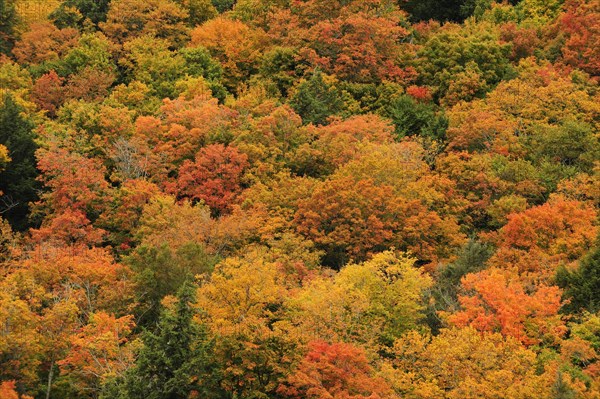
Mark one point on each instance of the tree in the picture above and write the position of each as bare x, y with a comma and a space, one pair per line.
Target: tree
445, 10
340, 142
8, 24
570, 147
223, 5
279, 65
475, 54
370, 304
411, 118
21, 342
242, 293
7, 391
130, 19
88, 278
316, 99
215, 177
465, 363
582, 284
176, 360
579, 23
161, 271
94, 51
45, 42
237, 46
350, 219
187, 126
100, 350
357, 46
472, 257
149, 60
199, 11
77, 194
537, 240
48, 93
18, 179
499, 302
256, 361
79, 13
335, 370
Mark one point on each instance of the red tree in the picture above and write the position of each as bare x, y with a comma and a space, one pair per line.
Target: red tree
214, 177
338, 371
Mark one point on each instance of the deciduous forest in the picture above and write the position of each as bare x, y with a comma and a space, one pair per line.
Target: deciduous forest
299, 199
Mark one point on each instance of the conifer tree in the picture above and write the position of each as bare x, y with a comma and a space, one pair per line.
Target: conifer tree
8, 21
582, 286
18, 183
176, 359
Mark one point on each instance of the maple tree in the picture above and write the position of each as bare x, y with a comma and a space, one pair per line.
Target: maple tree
253, 285
215, 177
234, 44
100, 351
334, 370
45, 42
538, 239
77, 197
580, 26
500, 303
358, 47
350, 219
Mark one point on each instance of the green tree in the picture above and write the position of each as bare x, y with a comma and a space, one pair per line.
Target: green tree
199, 63
315, 99
223, 5
78, 13
161, 271
279, 65
8, 21
199, 11
472, 257
463, 62
150, 61
18, 183
582, 286
445, 10
176, 360
415, 118
441, 10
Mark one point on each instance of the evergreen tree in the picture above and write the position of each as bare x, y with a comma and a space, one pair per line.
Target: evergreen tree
176, 360
161, 271
315, 100
472, 258
223, 5
75, 13
582, 286
8, 22
18, 181
413, 118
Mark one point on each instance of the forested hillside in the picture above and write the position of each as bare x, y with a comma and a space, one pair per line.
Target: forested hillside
299, 199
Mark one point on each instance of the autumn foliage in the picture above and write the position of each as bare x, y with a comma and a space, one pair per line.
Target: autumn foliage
326, 199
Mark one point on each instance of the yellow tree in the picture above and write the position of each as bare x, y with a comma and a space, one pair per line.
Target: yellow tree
465, 364
371, 303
